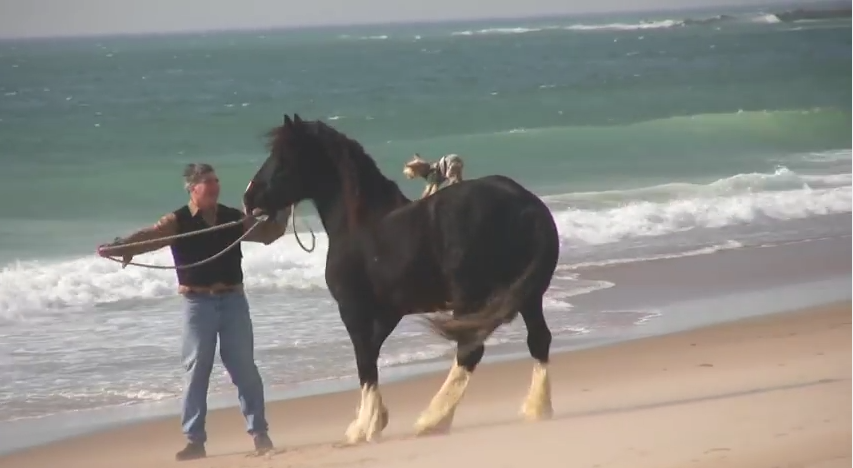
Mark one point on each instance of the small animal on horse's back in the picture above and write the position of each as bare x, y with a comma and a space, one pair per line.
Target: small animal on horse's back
447, 171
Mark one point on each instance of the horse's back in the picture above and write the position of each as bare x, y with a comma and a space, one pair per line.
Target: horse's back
479, 233
490, 217
488, 214
493, 184
488, 200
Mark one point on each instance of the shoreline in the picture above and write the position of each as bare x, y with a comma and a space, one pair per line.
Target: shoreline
59, 427
683, 290
421, 383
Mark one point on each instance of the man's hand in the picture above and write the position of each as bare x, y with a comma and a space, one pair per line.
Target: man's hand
147, 240
106, 249
269, 229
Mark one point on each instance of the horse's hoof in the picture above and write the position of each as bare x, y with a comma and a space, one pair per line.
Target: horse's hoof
424, 428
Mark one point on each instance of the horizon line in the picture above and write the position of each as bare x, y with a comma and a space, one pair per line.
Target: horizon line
538, 16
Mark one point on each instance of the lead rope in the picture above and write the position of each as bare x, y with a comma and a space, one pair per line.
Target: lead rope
258, 221
296, 233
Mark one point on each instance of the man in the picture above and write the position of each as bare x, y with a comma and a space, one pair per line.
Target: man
215, 305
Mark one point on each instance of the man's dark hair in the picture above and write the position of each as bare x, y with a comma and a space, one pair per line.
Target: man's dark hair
194, 173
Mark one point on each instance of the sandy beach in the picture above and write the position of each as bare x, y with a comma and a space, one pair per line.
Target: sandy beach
760, 392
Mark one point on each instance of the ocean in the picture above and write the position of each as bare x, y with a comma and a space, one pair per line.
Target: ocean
651, 136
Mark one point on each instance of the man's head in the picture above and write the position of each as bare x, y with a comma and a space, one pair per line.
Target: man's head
202, 184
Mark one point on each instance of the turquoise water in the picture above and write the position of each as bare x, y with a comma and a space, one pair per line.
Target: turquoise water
647, 136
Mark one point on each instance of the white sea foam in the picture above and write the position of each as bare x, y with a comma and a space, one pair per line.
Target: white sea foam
28, 288
769, 18
664, 23
573, 27
669, 23
646, 218
649, 24
728, 245
510, 30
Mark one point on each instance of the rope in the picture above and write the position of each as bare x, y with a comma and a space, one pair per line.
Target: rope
296, 233
187, 234
258, 221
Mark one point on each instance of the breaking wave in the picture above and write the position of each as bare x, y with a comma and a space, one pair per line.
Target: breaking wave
583, 218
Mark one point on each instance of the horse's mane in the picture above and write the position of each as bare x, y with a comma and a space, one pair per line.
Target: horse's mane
364, 185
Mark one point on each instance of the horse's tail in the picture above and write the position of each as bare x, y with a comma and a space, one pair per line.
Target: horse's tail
471, 330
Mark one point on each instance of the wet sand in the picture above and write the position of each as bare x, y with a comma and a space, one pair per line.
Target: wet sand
765, 391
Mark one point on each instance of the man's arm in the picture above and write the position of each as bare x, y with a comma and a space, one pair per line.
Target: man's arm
165, 227
270, 230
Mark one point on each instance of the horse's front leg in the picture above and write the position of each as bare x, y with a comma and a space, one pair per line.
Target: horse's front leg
367, 331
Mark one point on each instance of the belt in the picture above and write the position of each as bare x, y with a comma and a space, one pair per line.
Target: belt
213, 289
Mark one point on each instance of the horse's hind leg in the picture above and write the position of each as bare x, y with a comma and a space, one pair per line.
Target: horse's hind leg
537, 405
367, 336
438, 416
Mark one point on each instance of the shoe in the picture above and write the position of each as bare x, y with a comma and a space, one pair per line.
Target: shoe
193, 451
263, 443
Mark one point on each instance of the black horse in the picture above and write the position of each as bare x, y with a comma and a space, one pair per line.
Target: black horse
484, 248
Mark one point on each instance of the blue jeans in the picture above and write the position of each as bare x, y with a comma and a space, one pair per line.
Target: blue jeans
225, 316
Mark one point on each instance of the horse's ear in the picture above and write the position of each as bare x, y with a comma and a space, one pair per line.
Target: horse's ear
287, 121
296, 119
